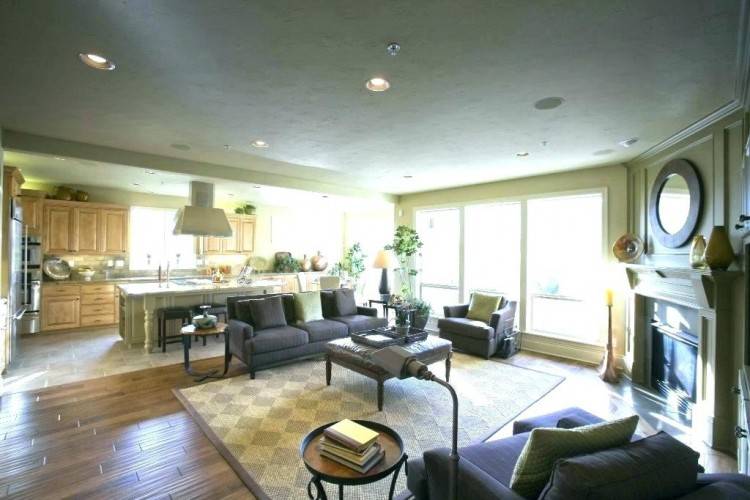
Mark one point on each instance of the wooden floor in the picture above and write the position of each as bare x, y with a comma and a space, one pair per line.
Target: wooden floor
122, 436
127, 436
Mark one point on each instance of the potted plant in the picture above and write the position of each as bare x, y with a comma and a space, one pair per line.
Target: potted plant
403, 322
421, 313
406, 244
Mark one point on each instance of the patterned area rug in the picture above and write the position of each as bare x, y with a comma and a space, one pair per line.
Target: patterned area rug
261, 422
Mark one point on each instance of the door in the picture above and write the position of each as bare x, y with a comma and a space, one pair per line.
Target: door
247, 235
58, 229
114, 231
59, 313
232, 244
211, 245
88, 227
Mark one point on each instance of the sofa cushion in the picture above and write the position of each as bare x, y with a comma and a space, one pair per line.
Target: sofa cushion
345, 305
268, 312
466, 328
242, 309
727, 486
277, 338
307, 307
545, 446
655, 467
562, 418
482, 305
360, 323
324, 329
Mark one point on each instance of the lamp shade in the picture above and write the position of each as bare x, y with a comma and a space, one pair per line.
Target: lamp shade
384, 260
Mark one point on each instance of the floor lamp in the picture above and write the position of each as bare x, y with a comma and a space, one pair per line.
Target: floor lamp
400, 363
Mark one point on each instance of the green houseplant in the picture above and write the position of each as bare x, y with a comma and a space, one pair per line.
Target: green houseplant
353, 263
405, 246
422, 311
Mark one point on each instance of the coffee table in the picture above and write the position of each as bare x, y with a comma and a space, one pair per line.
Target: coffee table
357, 357
323, 469
188, 332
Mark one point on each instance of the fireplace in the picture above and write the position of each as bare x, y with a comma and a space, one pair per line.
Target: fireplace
674, 363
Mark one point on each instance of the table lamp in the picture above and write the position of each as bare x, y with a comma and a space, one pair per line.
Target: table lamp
384, 260
402, 364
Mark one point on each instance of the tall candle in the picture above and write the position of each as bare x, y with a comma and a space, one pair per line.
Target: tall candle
609, 296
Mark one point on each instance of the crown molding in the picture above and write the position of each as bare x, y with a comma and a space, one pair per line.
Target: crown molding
742, 81
708, 120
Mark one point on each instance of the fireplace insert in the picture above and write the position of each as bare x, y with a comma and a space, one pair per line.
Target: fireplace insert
674, 359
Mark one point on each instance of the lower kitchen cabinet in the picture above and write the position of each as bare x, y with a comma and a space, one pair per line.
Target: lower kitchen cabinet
60, 312
66, 306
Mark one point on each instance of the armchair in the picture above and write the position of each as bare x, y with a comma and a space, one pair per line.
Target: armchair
477, 337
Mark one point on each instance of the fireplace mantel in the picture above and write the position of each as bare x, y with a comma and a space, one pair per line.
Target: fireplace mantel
713, 294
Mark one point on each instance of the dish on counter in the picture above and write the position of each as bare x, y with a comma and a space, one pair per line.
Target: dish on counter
56, 268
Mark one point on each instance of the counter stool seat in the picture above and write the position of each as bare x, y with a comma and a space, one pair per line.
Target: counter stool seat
167, 315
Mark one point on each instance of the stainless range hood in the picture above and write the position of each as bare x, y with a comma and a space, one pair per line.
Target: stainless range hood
200, 218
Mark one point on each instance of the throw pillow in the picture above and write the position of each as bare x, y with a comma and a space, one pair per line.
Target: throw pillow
267, 313
242, 310
547, 445
307, 307
345, 303
482, 306
651, 468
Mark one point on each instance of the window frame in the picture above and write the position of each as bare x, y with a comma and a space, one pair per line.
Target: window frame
164, 246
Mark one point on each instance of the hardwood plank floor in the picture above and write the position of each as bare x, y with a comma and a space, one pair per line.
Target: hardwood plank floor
121, 436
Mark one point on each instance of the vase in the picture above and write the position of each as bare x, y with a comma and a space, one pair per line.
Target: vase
719, 252
698, 252
319, 263
306, 264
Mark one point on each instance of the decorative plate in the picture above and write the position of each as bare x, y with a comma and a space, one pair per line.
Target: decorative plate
56, 268
628, 248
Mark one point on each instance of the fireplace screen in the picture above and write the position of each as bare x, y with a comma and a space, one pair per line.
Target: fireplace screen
674, 359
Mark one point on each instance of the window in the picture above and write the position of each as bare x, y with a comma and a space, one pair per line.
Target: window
152, 243
564, 266
492, 248
439, 277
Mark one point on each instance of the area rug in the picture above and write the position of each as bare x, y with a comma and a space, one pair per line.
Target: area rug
260, 423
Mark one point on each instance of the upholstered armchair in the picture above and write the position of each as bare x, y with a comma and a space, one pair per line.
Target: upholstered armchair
477, 337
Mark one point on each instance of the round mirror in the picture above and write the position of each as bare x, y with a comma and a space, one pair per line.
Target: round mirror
674, 204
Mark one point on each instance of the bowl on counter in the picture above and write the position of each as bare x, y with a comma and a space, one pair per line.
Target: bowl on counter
56, 268
86, 273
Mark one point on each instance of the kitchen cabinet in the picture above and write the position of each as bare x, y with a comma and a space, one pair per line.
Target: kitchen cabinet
85, 228
66, 306
32, 213
59, 228
242, 239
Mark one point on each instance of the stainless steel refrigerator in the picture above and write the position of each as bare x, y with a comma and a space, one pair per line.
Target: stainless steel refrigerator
17, 297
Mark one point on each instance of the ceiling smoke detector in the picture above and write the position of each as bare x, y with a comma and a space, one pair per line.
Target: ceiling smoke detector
393, 48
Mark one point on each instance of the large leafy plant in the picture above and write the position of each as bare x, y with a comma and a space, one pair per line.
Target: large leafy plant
353, 262
405, 246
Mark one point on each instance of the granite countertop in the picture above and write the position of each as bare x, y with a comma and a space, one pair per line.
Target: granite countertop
174, 288
75, 279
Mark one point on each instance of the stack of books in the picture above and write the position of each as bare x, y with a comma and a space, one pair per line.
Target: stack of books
352, 445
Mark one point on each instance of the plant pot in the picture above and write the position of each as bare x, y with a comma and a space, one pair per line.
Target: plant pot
402, 331
420, 321
719, 252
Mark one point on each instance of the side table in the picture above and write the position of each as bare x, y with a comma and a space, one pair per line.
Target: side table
188, 332
323, 469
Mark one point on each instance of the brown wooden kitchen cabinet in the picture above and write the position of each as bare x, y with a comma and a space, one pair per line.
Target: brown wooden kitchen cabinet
32, 213
85, 228
242, 240
68, 305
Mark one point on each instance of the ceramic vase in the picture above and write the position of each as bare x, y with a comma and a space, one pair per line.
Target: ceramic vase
306, 264
719, 253
697, 252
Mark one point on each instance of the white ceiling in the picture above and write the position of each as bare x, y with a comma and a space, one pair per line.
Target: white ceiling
76, 172
208, 74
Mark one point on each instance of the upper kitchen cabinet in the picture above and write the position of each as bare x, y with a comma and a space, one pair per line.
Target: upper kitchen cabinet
32, 213
241, 241
85, 228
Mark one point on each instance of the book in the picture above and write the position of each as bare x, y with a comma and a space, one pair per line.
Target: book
351, 434
362, 469
351, 456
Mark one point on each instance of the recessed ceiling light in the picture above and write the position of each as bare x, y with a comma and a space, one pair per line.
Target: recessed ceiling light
325, 196
629, 142
59, 158
604, 152
377, 84
96, 61
136, 184
227, 147
256, 187
408, 176
259, 143
181, 147
150, 172
548, 103
522, 154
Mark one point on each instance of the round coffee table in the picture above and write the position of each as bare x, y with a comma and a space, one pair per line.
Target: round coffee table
324, 469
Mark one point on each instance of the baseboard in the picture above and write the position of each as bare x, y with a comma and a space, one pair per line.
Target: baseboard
576, 351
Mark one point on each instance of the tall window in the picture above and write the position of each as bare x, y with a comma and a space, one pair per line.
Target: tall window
152, 244
565, 266
492, 248
439, 230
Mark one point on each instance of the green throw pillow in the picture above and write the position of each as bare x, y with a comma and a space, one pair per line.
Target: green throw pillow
307, 307
482, 306
545, 446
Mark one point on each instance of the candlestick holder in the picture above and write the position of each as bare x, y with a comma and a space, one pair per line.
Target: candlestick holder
607, 370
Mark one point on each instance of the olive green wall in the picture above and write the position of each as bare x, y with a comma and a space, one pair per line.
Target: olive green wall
716, 151
612, 178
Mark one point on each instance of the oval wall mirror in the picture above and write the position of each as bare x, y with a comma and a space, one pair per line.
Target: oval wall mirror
675, 203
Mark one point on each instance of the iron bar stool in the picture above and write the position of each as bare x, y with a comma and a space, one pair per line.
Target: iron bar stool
167, 315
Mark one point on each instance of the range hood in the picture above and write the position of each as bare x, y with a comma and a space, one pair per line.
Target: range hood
200, 218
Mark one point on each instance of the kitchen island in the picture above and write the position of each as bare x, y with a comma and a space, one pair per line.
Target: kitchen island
139, 302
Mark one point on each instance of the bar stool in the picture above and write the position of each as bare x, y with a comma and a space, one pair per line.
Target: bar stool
171, 314
218, 310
